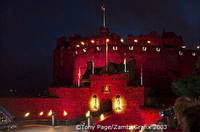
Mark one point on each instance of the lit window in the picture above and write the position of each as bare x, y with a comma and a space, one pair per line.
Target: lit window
84, 50
98, 48
193, 54
92, 41
82, 43
180, 53
122, 40
144, 48
130, 47
158, 49
135, 40
115, 48
183, 46
148, 41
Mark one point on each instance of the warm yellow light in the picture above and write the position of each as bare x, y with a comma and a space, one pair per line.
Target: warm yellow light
148, 41
102, 117
82, 43
65, 113
94, 103
87, 114
50, 113
135, 40
106, 89
107, 40
27, 114
41, 113
77, 45
92, 41
198, 47
118, 104
122, 40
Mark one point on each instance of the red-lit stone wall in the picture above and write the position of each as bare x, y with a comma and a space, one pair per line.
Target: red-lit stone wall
75, 101
159, 62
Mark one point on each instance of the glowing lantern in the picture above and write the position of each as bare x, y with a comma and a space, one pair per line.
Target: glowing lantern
50, 113
148, 42
27, 114
107, 40
118, 104
41, 113
92, 41
102, 117
135, 40
122, 40
94, 103
198, 47
82, 43
65, 113
87, 114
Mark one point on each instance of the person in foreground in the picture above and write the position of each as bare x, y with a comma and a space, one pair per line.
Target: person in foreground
190, 119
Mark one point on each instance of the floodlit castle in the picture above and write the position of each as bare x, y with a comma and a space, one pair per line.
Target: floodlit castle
108, 73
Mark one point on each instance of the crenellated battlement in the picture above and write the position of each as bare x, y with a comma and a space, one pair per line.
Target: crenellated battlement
161, 57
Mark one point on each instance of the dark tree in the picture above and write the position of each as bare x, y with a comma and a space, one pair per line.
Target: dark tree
188, 86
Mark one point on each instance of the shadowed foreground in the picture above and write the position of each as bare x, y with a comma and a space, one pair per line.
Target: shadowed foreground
45, 128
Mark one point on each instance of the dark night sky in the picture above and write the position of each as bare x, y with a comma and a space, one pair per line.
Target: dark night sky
29, 29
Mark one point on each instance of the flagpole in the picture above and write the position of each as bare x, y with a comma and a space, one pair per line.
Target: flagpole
141, 75
107, 40
93, 67
79, 77
104, 15
124, 64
